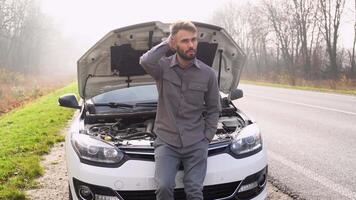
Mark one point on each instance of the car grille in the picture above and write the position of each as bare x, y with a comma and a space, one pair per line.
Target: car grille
148, 154
210, 192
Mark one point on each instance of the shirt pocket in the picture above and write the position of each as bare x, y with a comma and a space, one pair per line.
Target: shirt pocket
195, 93
171, 86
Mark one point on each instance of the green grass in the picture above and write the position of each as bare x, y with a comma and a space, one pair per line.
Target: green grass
310, 88
25, 134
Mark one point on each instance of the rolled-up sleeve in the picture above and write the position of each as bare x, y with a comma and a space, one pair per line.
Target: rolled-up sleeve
213, 107
150, 60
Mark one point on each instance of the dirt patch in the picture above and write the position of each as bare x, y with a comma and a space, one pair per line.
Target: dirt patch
54, 183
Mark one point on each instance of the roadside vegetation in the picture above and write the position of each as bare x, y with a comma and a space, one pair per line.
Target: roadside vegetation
340, 87
297, 43
17, 89
27, 133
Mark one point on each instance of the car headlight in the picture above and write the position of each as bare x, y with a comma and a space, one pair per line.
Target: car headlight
249, 140
91, 149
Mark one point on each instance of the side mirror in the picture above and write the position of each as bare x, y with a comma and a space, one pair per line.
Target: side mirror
69, 101
236, 94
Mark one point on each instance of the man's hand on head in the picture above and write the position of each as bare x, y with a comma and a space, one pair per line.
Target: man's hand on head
171, 42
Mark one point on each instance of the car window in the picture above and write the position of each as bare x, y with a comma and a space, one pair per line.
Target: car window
132, 94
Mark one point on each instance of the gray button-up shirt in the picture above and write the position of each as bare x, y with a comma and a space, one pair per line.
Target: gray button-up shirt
188, 99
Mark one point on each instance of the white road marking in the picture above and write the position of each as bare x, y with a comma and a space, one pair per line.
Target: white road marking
306, 105
340, 189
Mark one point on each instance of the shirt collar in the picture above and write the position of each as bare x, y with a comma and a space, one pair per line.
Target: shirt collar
174, 62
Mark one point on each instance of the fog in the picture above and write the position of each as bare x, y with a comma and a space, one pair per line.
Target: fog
81, 23
53, 34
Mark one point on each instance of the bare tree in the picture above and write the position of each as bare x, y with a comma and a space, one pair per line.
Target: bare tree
352, 54
15, 31
331, 12
258, 33
22, 34
293, 39
287, 35
233, 18
305, 16
12, 20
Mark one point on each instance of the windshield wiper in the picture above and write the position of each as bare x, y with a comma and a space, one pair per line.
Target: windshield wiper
115, 105
124, 105
147, 104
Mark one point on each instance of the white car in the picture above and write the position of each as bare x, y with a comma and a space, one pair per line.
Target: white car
109, 151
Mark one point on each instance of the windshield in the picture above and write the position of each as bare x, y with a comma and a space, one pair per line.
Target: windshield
145, 93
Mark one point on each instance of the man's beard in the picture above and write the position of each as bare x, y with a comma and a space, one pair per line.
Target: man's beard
185, 56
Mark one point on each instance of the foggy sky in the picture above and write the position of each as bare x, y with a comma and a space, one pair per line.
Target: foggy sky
84, 22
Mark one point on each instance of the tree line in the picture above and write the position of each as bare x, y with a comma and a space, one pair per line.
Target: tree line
293, 39
22, 33
31, 42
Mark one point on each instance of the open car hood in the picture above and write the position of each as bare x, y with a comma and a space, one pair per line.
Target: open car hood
113, 62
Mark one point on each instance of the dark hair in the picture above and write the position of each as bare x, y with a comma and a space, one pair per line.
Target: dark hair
182, 25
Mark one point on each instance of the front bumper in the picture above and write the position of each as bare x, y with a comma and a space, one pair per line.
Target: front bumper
230, 191
134, 180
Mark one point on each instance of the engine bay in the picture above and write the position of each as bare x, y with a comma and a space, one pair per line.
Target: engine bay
140, 132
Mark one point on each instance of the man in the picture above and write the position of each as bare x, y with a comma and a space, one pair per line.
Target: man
187, 113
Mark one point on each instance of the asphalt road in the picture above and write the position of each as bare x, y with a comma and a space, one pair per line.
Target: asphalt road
311, 139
